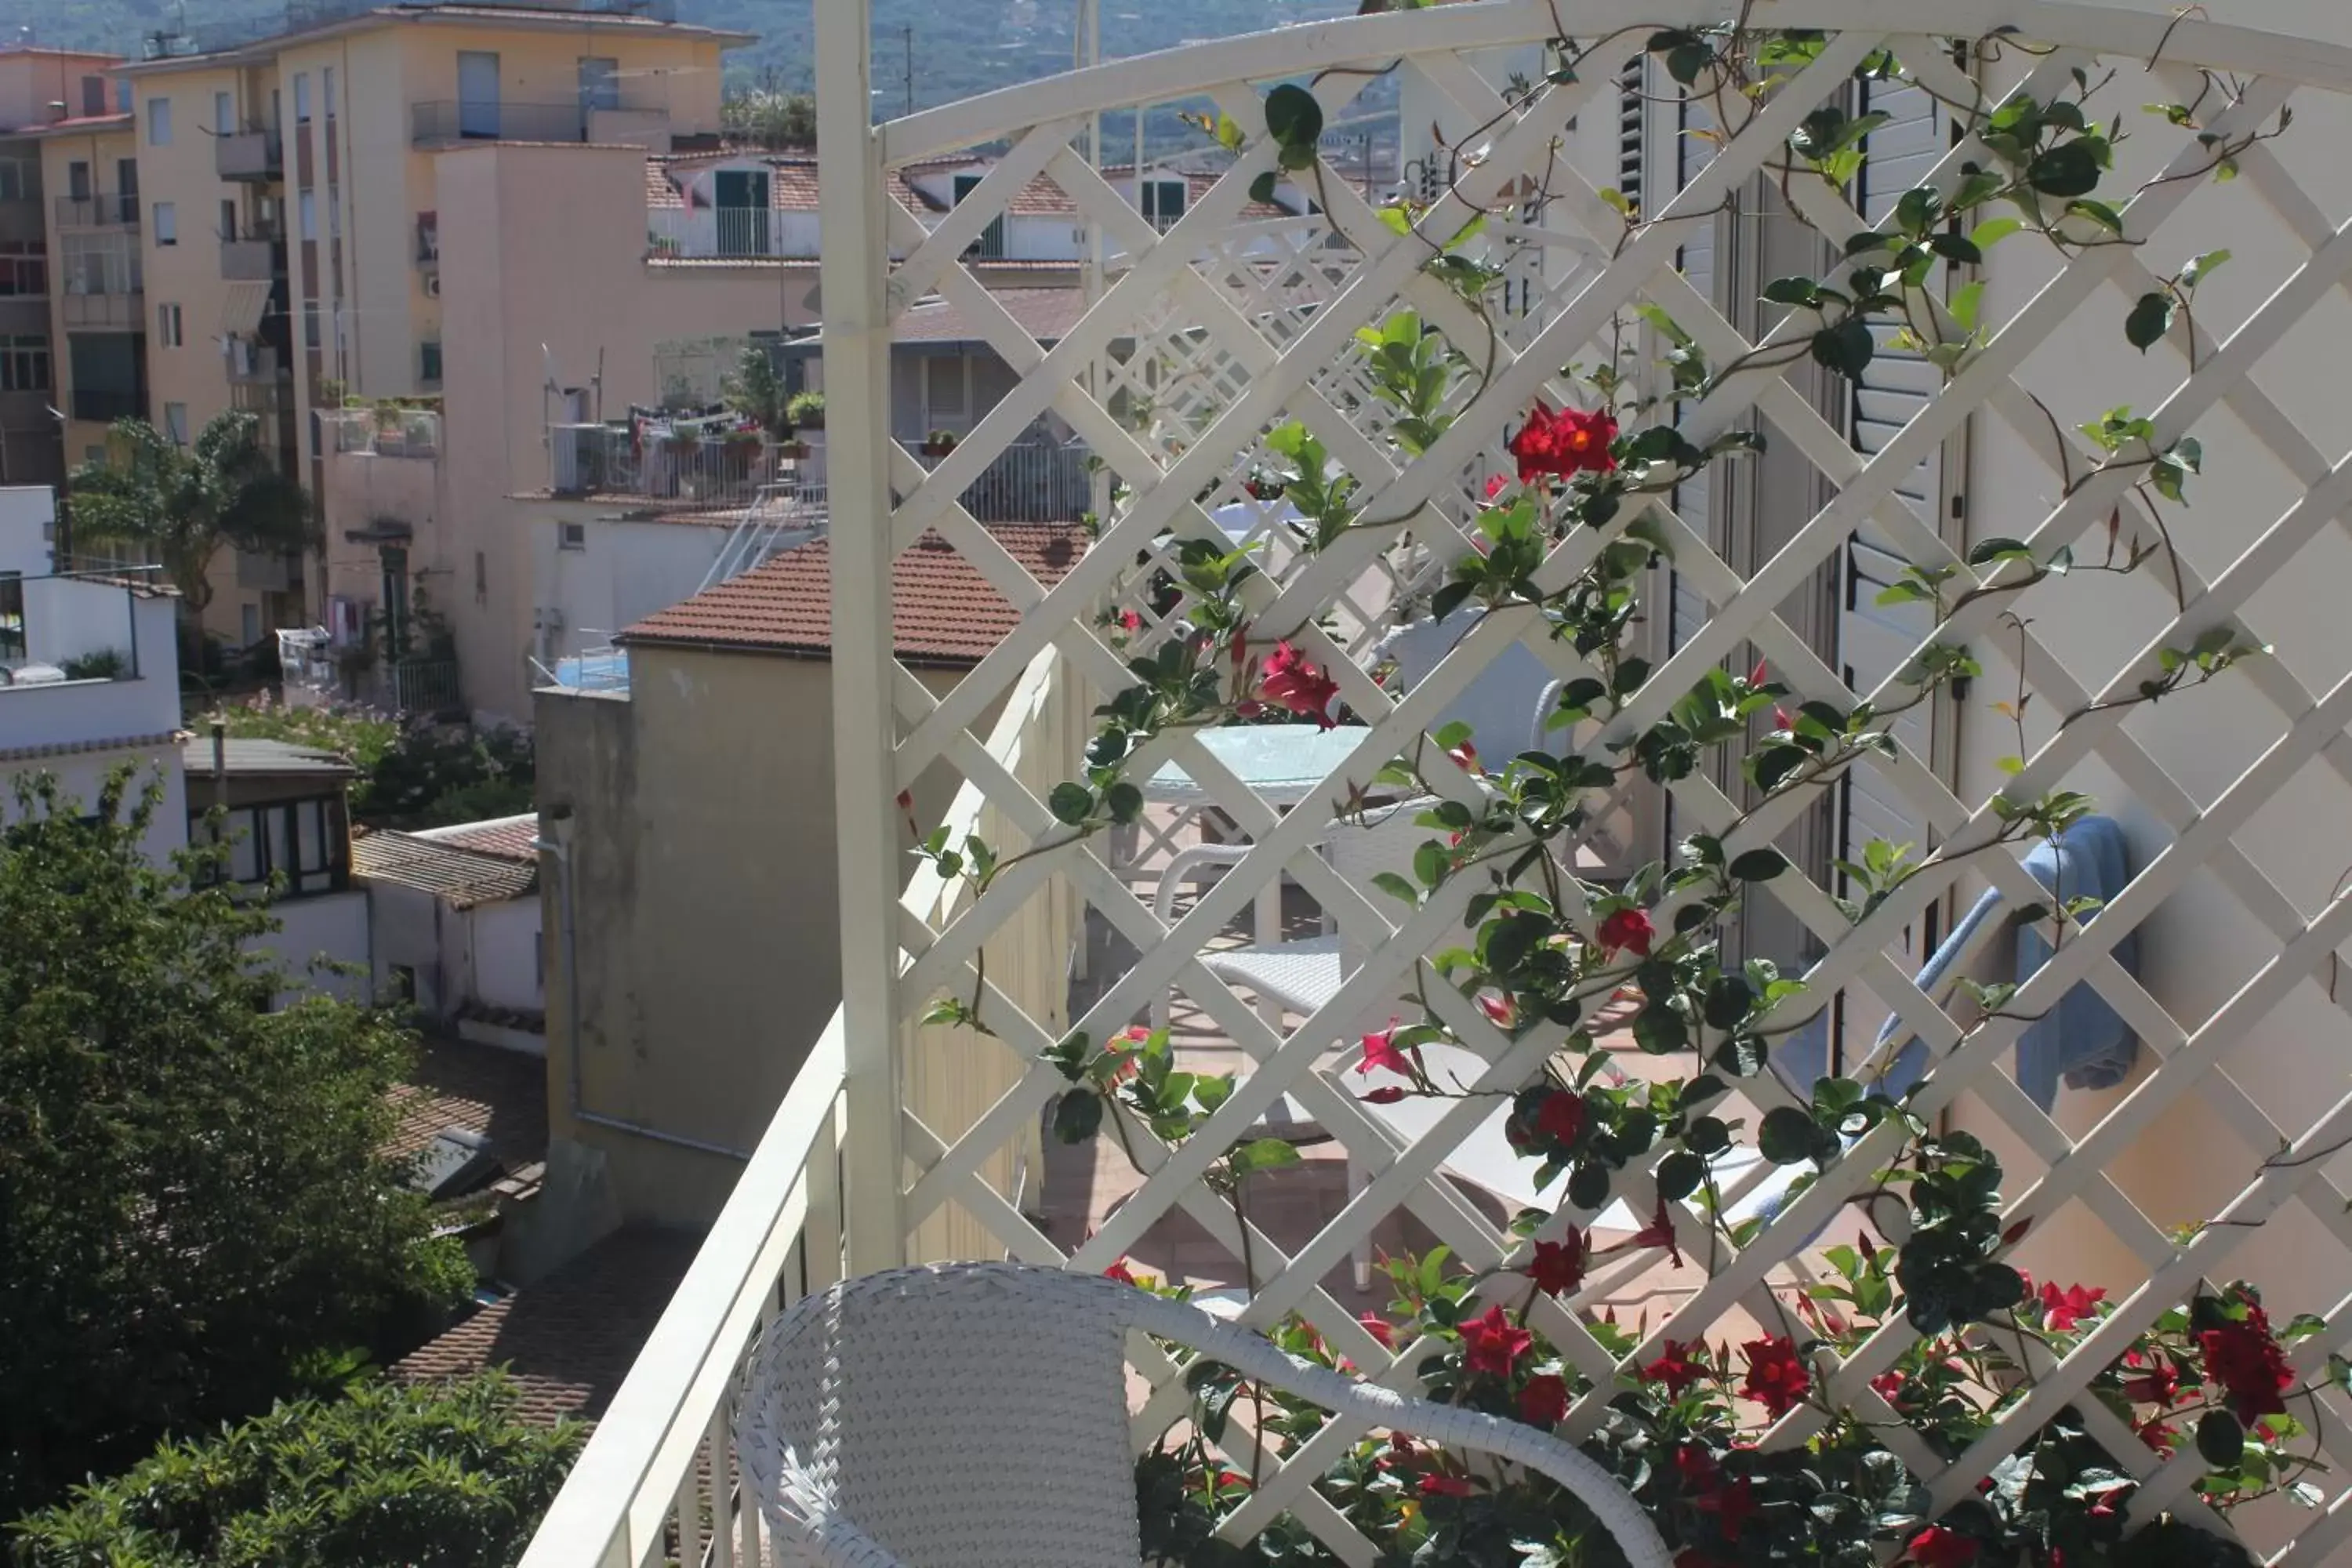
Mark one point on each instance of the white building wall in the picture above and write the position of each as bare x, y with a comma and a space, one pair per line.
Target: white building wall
506, 954
317, 933
622, 573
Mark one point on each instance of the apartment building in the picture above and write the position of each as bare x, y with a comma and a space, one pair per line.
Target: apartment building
255, 225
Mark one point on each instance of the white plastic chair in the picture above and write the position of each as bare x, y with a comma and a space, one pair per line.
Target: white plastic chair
975, 1416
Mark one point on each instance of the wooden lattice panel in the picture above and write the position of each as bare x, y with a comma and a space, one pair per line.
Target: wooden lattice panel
1250, 323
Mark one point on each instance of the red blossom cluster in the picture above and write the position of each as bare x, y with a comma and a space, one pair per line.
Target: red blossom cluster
1565, 444
1291, 682
2244, 1359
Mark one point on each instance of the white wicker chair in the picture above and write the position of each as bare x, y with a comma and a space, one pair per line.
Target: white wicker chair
975, 1416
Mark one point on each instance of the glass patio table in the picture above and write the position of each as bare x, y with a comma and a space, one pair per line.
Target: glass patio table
1281, 764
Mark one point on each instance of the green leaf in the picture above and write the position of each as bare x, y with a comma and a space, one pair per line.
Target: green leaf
1293, 117
2151, 320
2201, 267
1708, 1135
1788, 1136
1659, 1030
2220, 1440
1262, 188
2067, 168
1077, 1116
1846, 348
1759, 865
1588, 1185
1727, 1002
1397, 888
1071, 803
1679, 1174
1124, 801
1264, 1154
1792, 292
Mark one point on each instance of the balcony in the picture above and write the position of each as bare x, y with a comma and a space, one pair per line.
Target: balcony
391, 431
252, 258
681, 470
109, 210
442, 123
124, 311
254, 153
78, 658
749, 234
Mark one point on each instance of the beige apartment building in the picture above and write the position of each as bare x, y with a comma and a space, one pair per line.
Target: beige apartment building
261, 231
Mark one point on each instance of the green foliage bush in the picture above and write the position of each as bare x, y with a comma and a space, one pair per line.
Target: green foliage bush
415, 776
195, 1213
384, 1477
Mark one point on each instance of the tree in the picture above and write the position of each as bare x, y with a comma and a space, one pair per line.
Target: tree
185, 502
764, 117
416, 776
756, 390
195, 1214
386, 1476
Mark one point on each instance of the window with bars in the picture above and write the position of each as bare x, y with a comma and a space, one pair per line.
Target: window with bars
991, 243
23, 363
1163, 203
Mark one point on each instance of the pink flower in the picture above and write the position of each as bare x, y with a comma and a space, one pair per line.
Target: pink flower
1499, 1009
1496, 484
1130, 620
1465, 757
1380, 1051
1379, 1329
2061, 1310
1299, 686
1493, 1344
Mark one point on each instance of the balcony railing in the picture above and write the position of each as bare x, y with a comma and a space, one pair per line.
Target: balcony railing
125, 311
252, 258
112, 209
103, 405
661, 1465
392, 431
1035, 480
681, 472
708, 233
421, 686
439, 122
253, 154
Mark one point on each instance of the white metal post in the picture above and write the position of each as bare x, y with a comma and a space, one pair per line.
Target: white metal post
853, 284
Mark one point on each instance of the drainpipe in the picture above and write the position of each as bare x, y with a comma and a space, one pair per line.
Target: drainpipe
220, 764
561, 854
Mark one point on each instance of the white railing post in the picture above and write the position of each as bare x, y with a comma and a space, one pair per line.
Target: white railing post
854, 280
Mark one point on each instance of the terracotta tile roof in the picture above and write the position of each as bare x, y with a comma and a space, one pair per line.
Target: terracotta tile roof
943, 611
460, 877
510, 837
568, 1340
1045, 314
485, 1090
75, 125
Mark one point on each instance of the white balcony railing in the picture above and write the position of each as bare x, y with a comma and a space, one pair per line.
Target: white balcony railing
748, 233
659, 1475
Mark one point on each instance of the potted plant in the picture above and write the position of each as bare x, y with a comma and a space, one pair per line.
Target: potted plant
739, 451
938, 444
806, 410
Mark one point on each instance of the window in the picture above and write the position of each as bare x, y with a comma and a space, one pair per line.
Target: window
306, 203
12, 616
77, 180
311, 324
23, 363
159, 123
224, 114
945, 403
428, 357
176, 423
93, 95
481, 577
571, 536
302, 840
228, 220
599, 82
122, 104
126, 182
1163, 202
20, 180
335, 212
24, 268
167, 223
991, 243
327, 92
249, 622
167, 326
301, 97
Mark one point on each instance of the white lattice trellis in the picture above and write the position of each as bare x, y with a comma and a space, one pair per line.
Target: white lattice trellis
1226, 326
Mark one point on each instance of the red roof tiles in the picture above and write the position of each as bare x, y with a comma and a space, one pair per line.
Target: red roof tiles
944, 610
485, 1090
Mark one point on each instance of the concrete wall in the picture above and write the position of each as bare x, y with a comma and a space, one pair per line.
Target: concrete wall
506, 955
545, 246
316, 933
621, 572
698, 812
82, 774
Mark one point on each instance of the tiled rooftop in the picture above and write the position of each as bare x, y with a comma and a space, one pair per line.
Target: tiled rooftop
460, 876
458, 1084
1045, 314
569, 1339
944, 610
511, 837
244, 758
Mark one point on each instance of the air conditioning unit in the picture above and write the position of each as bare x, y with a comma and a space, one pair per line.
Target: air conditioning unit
432, 285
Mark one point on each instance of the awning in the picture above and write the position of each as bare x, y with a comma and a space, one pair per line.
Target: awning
242, 312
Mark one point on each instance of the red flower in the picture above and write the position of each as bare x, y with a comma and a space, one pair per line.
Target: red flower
1387, 1094
1733, 1506
1121, 1272
1889, 1386
1674, 1369
1495, 484
1493, 1344
1543, 1401
1660, 1232
1696, 1468
1695, 1558
1780, 720
1758, 676
1297, 685
1776, 1376
2248, 1365
1629, 931
1445, 1485
1380, 1051
1936, 1547
1233, 1478
1499, 1009
2161, 1385
2061, 1310
1379, 1328
1563, 1116
1465, 757
1564, 444
1558, 1266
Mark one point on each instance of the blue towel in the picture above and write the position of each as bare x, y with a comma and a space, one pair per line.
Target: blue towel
2080, 1038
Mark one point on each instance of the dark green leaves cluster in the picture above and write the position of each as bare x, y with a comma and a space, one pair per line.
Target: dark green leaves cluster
1946, 1266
